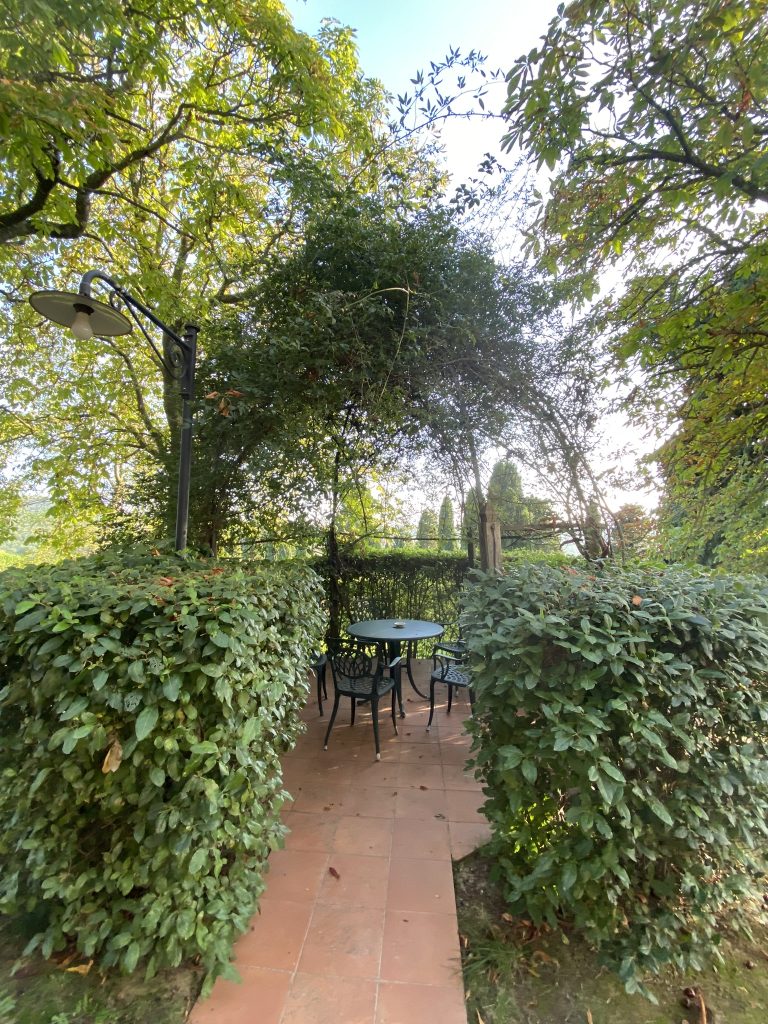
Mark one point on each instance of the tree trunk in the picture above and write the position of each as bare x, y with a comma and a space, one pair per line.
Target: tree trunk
491, 529
334, 584
334, 558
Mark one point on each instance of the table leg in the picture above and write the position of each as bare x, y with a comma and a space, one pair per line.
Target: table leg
394, 652
410, 672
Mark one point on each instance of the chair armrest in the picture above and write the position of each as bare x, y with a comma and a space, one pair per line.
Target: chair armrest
456, 650
443, 662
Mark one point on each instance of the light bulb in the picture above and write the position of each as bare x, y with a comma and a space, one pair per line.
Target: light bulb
81, 325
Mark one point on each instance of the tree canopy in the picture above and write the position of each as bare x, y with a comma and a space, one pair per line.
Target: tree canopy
351, 355
95, 94
654, 117
446, 530
182, 148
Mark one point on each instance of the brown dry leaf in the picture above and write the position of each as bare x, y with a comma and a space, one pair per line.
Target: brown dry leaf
234, 393
508, 918
589, 1016
479, 1018
334, 873
81, 968
212, 394
423, 787
167, 581
545, 958
223, 407
637, 600
113, 757
703, 1010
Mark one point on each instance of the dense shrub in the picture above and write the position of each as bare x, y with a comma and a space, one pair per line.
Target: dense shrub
622, 727
528, 556
142, 715
407, 584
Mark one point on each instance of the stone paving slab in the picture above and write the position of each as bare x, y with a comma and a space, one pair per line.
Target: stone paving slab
358, 921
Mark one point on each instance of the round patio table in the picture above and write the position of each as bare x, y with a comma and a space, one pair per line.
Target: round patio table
394, 633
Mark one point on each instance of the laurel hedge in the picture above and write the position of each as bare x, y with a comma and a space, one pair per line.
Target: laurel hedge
143, 710
621, 725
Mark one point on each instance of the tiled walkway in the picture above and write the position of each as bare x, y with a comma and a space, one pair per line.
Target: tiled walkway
358, 921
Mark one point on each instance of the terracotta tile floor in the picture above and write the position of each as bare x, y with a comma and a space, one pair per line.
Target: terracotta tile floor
358, 921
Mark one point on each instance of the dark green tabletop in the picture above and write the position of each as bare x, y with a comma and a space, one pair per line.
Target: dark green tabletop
395, 630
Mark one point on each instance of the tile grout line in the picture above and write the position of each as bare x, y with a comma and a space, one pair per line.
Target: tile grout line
295, 970
384, 912
383, 918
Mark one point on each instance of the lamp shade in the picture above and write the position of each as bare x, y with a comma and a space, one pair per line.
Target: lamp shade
63, 307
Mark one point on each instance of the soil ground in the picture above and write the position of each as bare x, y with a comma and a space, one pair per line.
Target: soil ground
516, 976
37, 991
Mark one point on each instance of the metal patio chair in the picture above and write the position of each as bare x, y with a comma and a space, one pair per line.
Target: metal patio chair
360, 676
455, 675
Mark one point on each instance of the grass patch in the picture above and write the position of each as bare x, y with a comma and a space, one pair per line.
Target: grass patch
514, 974
36, 991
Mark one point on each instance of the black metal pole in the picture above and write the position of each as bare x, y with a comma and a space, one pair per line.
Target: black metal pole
185, 454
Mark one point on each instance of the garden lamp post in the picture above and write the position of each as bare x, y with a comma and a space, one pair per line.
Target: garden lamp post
87, 317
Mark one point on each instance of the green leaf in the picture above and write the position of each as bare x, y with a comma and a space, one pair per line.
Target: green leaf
206, 747
130, 958
146, 722
136, 671
100, 678
249, 730
660, 810
613, 771
569, 876
171, 687
78, 705
529, 771
39, 779
197, 860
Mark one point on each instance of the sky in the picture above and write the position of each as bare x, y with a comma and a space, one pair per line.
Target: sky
397, 38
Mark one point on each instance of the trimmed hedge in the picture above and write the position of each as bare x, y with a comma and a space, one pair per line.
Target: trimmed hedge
409, 584
621, 725
143, 712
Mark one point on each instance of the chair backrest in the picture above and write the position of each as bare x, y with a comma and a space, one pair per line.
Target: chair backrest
451, 632
350, 661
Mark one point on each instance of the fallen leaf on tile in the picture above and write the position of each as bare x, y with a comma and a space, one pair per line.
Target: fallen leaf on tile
440, 816
423, 787
334, 872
